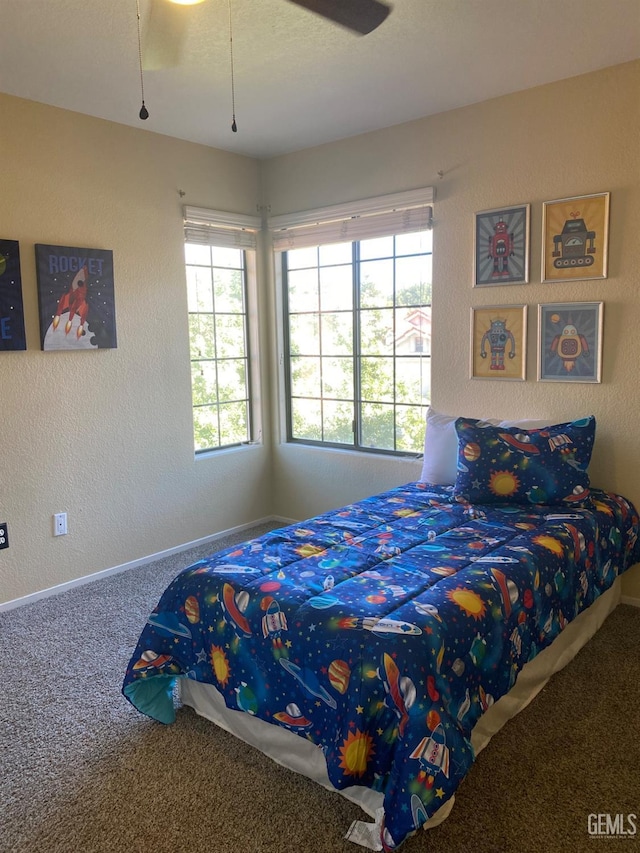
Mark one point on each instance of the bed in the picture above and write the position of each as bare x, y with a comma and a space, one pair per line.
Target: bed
370, 646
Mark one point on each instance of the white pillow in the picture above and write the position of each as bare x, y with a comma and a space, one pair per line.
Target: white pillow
440, 462
440, 450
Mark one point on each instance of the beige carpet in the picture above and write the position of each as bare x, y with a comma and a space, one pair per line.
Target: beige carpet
82, 772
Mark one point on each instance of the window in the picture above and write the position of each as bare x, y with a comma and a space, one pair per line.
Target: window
218, 331
357, 350
357, 321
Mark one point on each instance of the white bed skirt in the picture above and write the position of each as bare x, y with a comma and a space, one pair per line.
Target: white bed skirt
301, 756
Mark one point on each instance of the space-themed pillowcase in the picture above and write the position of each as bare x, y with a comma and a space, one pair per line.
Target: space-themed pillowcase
513, 465
440, 460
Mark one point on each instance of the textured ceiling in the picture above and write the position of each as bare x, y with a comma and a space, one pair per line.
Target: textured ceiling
299, 80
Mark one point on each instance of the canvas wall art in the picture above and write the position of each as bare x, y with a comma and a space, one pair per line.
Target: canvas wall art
575, 238
499, 342
570, 341
12, 334
76, 298
501, 246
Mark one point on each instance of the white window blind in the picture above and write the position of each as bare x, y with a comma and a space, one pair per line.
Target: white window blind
218, 228
398, 213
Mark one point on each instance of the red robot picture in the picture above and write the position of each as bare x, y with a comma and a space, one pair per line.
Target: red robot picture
75, 302
500, 249
501, 246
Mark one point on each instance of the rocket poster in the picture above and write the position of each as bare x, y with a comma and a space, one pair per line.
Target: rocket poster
76, 298
12, 335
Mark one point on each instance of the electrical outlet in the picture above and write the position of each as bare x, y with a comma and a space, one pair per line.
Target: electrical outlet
4, 536
60, 524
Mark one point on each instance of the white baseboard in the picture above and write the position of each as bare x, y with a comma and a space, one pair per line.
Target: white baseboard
629, 599
62, 587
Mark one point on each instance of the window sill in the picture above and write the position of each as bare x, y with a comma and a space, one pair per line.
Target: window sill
247, 446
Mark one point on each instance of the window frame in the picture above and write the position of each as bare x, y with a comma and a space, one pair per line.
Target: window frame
357, 444
220, 230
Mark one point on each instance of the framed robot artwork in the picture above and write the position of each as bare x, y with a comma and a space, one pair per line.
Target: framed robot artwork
575, 238
570, 341
501, 246
499, 342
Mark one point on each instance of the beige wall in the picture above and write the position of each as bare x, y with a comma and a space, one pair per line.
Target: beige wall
106, 436
570, 138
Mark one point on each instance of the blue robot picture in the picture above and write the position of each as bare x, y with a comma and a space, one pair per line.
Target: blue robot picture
498, 337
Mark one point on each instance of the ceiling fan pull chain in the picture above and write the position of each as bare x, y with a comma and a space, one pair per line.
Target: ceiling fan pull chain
234, 126
144, 112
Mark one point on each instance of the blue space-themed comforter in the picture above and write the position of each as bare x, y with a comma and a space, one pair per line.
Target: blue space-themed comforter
383, 630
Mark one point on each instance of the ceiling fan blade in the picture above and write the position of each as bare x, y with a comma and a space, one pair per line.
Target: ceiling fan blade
164, 34
363, 16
